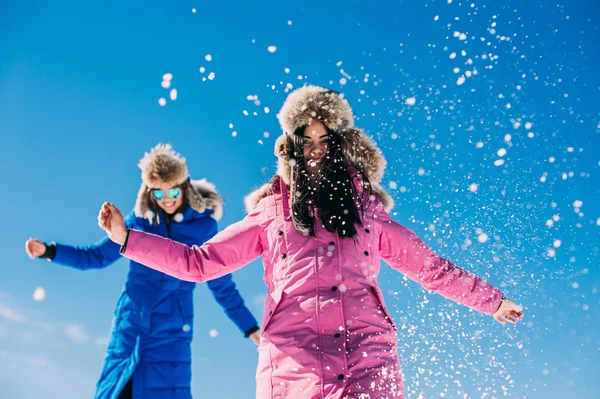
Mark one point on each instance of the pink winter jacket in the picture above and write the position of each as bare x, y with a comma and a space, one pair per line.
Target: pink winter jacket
326, 330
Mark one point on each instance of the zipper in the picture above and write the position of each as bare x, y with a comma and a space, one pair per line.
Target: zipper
168, 223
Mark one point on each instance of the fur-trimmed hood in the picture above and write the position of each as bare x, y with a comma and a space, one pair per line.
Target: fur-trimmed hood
307, 104
163, 165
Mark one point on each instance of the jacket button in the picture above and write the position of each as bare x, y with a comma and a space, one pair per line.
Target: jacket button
337, 335
366, 253
367, 231
331, 244
341, 377
280, 233
334, 288
283, 256
271, 313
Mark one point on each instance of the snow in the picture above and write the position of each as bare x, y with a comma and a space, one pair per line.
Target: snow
173, 94
162, 102
39, 294
272, 49
213, 333
482, 238
208, 57
411, 101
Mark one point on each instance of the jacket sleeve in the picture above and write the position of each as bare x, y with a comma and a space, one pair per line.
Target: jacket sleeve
405, 252
226, 294
226, 252
224, 291
96, 256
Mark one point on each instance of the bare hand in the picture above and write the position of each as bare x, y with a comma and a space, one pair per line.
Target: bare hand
34, 248
509, 311
110, 219
255, 337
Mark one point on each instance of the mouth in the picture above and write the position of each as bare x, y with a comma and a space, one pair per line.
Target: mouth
313, 162
169, 204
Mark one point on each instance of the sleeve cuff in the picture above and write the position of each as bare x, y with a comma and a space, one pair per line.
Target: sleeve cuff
50, 252
251, 331
124, 246
501, 302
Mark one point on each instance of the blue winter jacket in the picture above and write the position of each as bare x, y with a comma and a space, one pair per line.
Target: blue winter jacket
154, 316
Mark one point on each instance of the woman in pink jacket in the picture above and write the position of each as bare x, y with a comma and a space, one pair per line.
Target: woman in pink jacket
322, 226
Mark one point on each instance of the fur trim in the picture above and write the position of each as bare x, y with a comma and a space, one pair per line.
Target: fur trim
386, 199
205, 194
163, 165
252, 199
310, 103
255, 196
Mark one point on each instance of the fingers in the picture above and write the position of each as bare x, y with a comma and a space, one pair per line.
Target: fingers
28, 249
510, 315
104, 217
112, 208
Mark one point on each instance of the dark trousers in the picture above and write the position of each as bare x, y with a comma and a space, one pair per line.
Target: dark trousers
127, 392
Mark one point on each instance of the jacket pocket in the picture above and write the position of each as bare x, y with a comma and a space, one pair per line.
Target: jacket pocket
386, 313
271, 304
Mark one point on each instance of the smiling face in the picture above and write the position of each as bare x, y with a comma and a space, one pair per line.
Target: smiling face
168, 204
315, 146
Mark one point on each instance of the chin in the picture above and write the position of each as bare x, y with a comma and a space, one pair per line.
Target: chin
170, 211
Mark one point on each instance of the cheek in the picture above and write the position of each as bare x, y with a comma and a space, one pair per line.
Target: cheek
307, 150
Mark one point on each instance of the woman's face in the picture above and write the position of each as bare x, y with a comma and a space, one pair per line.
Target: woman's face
315, 146
167, 203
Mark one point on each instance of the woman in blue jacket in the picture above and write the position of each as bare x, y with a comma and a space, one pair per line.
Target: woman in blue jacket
149, 353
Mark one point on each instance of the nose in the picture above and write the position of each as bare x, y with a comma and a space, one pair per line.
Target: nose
317, 150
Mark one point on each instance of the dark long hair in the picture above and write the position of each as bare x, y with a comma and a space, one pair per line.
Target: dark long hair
339, 206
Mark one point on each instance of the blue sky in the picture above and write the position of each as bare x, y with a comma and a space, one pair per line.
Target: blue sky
488, 114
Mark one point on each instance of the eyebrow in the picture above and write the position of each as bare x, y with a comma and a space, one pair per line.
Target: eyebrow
323, 136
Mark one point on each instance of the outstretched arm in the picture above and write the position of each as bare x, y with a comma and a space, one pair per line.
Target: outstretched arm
407, 253
226, 252
226, 294
96, 256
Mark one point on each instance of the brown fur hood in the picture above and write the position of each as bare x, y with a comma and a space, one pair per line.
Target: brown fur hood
163, 165
310, 103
